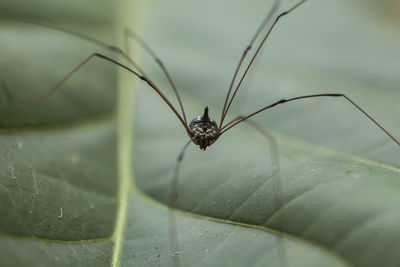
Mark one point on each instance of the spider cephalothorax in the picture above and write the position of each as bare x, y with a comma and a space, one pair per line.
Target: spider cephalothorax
204, 130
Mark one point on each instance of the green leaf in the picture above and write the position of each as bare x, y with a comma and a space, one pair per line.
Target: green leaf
80, 186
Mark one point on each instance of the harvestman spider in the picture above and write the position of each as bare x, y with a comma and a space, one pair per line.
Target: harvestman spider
203, 130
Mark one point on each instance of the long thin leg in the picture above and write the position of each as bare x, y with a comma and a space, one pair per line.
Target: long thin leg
102, 44
312, 96
172, 203
6, 90
257, 33
89, 39
256, 53
273, 144
86, 60
131, 34
275, 174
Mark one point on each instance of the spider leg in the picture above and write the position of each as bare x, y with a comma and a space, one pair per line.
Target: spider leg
132, 35
228, 104
273, 144
173, 196
86, 60
275, 174
311, 96
89, 39
111, 48
249, 46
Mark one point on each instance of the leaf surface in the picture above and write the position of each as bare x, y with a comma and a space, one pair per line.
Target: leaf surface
78, 187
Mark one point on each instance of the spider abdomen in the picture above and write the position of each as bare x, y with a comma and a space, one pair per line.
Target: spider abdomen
204, 130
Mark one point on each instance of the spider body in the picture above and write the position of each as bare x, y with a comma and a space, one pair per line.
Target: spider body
204, 130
